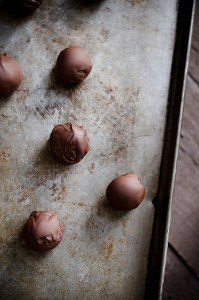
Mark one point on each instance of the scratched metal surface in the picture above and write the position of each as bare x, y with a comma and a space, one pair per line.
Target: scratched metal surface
122, 105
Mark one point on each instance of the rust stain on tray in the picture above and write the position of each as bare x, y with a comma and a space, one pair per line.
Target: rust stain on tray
4, 155
134, 2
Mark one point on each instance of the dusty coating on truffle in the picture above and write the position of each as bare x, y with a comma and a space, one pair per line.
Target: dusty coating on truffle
125, 192
73, 65
30, 5
10, 74
43, 231
69, 143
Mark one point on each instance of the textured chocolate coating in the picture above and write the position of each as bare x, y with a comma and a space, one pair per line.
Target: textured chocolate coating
69, 143
30, 5
10, 74
73, 65
125, 192
43, 231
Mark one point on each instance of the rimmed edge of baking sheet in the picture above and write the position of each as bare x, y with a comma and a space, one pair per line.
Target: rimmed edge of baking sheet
163, 200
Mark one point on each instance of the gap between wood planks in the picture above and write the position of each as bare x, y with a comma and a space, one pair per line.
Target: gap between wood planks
195, 80
186, 263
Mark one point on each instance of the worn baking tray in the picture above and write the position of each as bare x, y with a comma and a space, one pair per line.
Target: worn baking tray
131, 106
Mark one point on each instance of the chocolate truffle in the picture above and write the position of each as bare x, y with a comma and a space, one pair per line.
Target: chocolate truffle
10, 74
69, 143
73, 65
43, 231
30, 5
125, 192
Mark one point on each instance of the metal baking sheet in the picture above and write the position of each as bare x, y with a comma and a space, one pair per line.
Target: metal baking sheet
123, 106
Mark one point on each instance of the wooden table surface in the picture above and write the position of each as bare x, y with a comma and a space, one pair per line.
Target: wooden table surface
182, 267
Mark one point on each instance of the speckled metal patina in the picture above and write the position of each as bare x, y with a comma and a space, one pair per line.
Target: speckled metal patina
123, 107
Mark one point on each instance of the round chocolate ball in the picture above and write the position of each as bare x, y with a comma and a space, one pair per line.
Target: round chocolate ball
69, 143
73, 65
43, 231
10, 74
30, 5
125, 192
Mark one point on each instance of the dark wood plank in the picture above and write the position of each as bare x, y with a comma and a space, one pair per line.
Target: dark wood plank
182, 265
184, 229
194, 53
179, 283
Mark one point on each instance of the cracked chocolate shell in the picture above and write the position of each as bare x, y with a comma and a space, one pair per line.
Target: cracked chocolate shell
69, 143
43, 230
